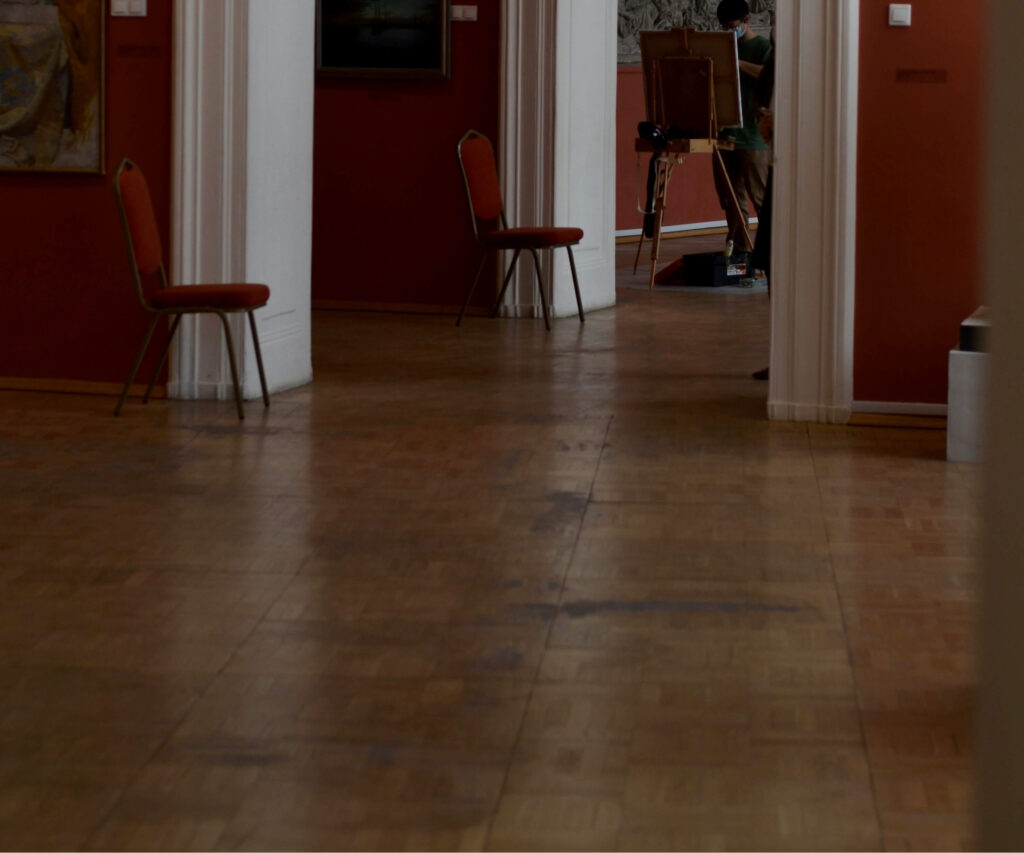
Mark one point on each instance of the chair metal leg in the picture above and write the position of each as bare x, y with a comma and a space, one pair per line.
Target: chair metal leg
163, 358
229, 341
540, 287
135, 366
505, 283
259, 359
472, 287
575, 282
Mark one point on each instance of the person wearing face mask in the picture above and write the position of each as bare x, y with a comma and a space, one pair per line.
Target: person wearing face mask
747, 164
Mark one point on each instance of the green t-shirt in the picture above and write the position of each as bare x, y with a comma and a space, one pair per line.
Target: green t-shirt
748, 138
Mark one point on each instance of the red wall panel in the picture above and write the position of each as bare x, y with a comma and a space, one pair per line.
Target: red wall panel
69, 306
390, 220
691, 194
918, 204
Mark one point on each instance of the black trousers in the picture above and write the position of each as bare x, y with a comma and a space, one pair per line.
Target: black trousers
763, 239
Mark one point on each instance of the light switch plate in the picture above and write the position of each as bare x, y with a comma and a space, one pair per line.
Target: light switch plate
463, 13
128, 8
899, 14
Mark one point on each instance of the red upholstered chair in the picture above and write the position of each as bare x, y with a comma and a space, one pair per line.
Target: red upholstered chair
480, 174
143, 238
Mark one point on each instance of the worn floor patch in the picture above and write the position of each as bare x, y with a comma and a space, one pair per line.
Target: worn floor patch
579, 609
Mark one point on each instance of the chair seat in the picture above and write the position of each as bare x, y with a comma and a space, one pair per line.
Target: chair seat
535, 238
224, 296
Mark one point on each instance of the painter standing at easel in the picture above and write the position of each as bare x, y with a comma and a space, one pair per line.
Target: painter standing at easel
747, 164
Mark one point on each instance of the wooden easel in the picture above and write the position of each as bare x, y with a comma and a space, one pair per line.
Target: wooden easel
668, 159
691, 82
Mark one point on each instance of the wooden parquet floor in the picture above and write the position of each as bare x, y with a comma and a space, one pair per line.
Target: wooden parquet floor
486, 588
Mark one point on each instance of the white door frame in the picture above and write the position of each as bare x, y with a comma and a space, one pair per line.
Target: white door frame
208, 214
815, 210
1000, 696
526, 154
241, 177
558, 143
815, 203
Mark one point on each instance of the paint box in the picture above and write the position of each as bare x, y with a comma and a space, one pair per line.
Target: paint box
713, 269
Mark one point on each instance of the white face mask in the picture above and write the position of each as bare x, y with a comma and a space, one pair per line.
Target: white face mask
739, 31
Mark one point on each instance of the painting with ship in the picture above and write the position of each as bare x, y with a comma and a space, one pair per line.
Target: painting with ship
370, 38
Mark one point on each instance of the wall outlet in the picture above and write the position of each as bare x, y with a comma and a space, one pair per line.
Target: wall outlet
463, 13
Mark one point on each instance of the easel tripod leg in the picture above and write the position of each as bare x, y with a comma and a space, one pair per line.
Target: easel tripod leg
741, 214
664, 174
639, 246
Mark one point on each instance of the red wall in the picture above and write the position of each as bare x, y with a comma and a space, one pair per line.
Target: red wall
918, 203
691, 194
70, 311
390, 221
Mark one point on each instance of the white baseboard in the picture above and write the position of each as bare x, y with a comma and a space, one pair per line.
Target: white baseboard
822, 414
207, 391
931, 410
675, 229
521, 312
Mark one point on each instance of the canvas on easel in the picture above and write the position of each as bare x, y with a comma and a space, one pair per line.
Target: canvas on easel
654, 46
722, 50
686, 95
659, 46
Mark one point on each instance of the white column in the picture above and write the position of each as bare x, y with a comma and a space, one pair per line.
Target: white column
558, 141
813, 251
232, 151
1000, 719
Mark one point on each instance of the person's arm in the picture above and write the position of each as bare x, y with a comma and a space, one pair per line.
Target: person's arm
765, 85
751, 69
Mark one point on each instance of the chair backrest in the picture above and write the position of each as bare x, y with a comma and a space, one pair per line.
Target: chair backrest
480, 175
140, 229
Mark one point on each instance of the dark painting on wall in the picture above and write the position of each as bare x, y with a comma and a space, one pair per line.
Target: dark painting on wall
51, 85
383, 38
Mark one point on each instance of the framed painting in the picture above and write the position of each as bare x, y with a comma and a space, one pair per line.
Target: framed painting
51, 85
382, 38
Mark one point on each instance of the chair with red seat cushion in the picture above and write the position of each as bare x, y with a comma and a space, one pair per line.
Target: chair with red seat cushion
144, 249
480, 175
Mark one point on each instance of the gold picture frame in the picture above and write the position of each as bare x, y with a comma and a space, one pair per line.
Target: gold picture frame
52, 86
